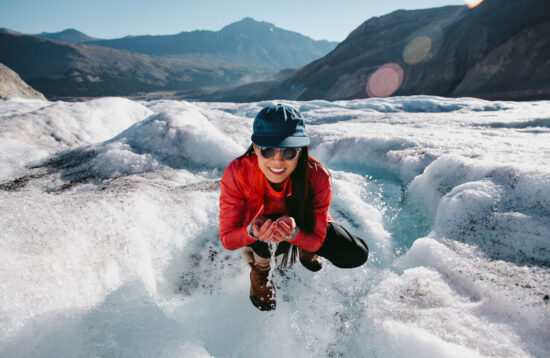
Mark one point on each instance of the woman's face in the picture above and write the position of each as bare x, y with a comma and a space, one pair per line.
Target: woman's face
276, 169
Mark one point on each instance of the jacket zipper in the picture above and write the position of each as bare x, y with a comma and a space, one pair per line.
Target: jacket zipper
258, 213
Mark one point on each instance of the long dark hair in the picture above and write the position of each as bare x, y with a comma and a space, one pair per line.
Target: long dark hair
300, 203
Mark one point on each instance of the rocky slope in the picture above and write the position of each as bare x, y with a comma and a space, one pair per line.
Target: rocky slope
60, 69
60, 65
11, 85
497, 50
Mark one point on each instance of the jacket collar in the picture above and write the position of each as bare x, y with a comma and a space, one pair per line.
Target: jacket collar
287, 188
259, 180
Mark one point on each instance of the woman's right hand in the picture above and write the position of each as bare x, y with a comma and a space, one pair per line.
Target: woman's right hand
262, 228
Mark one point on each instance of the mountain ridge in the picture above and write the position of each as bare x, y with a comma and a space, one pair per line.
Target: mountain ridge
68, 35
61, 69
460, 39
250, 42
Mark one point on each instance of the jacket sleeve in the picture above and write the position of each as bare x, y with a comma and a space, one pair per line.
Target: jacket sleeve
321, 201
233, 232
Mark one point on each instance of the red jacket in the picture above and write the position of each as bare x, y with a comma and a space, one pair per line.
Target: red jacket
242, 200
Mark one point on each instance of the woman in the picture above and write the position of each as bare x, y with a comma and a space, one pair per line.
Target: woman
276, 193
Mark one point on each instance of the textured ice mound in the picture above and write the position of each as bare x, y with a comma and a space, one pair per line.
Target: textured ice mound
178, 138
502, 210
31, 131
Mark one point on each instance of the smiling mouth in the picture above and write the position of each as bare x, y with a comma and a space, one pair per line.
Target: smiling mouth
277, 171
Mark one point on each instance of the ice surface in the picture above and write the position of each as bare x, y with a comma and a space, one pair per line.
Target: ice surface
109, 231
31, 130
179, 137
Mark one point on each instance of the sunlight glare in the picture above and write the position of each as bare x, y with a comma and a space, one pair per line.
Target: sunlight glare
473, 3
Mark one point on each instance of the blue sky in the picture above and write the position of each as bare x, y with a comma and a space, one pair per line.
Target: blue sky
319, 19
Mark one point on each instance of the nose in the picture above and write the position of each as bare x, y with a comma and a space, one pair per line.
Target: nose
278, 157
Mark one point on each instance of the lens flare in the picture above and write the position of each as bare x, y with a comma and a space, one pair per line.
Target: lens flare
417, 50
385, 80
423, 44
473, 3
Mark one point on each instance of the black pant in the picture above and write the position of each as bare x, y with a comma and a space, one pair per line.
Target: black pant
340, 247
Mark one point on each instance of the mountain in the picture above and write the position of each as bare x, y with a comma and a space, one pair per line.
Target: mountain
4, 30
497, 50
62, 65
69, 35
11, 85
60, 69
247, 42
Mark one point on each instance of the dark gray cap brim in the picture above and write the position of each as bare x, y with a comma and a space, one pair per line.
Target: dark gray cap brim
280, 142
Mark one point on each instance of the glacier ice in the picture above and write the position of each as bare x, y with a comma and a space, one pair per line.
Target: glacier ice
109, 235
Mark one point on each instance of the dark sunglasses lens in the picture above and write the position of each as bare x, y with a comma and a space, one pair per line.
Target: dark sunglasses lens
289, 153
268, 152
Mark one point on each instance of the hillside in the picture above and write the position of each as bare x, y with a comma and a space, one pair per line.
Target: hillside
186, 65
60, 69
498, 50
69, 35
11, 85
247, 42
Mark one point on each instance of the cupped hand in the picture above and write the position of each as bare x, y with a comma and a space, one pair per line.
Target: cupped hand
262, 228
285, 229
265, 229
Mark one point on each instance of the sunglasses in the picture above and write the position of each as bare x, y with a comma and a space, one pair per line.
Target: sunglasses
287, 153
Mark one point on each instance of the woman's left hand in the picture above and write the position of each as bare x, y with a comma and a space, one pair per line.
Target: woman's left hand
286, 227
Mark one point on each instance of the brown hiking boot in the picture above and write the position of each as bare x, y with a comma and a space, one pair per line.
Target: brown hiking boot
310, 260
262, 291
